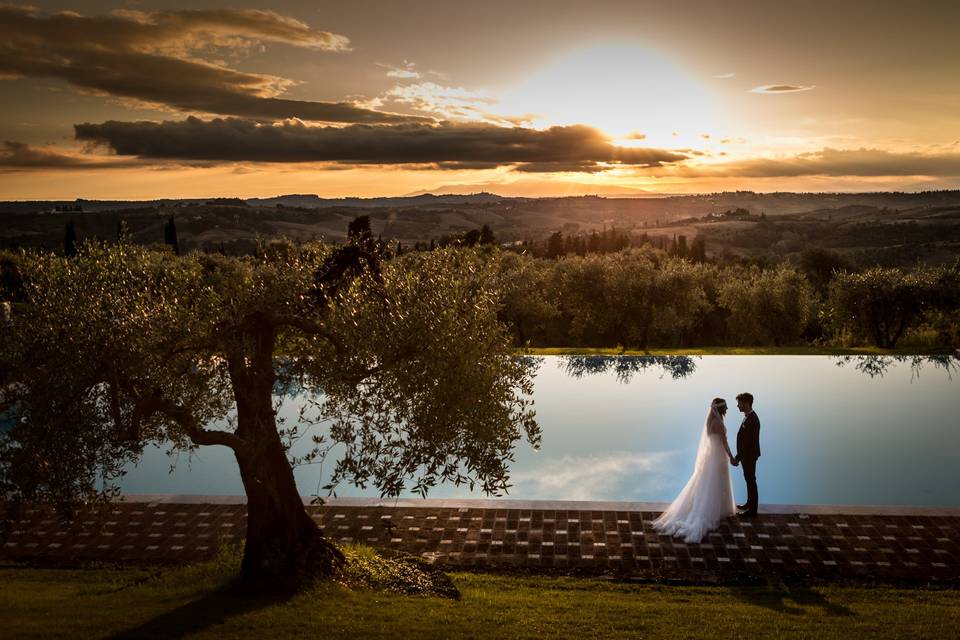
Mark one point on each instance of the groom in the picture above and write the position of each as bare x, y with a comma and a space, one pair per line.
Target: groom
748, 450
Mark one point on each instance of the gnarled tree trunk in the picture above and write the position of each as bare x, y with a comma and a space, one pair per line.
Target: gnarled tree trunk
284, 546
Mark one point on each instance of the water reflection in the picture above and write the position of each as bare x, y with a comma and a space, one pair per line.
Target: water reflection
847, 430
625, 367
878, 366
623, 474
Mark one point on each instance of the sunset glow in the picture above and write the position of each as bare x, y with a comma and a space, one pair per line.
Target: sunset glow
372, 100
624, 91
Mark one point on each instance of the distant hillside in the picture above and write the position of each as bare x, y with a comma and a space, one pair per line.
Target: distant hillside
311, 201
884, 228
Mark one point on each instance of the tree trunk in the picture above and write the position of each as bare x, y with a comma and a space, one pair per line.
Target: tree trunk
284, 546
645, 323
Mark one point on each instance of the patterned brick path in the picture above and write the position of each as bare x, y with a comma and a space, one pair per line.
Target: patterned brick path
921, 548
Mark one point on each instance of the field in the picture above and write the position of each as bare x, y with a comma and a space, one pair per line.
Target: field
196, 602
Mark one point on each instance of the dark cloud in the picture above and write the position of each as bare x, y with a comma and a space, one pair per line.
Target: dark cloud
553, 167
150, 57
17, 156
782, 88
837, 162
232, 139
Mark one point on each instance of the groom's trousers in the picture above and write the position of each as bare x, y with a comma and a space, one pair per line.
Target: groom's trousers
750, 475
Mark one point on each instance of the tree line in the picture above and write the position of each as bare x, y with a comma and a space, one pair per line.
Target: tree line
609, 289
648, 297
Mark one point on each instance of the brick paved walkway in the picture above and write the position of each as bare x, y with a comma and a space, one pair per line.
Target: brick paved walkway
914, 548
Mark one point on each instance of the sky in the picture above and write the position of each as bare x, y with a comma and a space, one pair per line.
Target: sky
142, 99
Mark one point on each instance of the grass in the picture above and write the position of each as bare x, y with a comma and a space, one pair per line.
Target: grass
733, 351
197, 602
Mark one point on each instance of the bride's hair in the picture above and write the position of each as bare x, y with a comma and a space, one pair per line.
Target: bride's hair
719, 404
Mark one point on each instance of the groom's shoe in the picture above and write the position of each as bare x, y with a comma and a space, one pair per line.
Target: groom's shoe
746, 514
741, 507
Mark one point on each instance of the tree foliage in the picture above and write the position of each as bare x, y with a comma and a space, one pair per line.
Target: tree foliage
771, 306
123, 346
629, 297
880, 304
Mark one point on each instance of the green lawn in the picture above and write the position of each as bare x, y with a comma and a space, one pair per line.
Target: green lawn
733, 351
193, 602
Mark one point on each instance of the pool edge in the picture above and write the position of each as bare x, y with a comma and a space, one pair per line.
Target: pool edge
564, 505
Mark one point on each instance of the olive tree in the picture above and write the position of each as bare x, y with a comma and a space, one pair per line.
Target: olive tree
766, 306
879, 304
121, 346
631, 296
527, 305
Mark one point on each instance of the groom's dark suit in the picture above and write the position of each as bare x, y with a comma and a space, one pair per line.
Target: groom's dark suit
748, 450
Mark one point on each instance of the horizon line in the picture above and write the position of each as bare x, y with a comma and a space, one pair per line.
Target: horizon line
639, 196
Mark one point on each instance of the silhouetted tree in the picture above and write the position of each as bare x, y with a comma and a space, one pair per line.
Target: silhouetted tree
70, 240
698, 251
123, 231
11, 280
593, 244
170, 236
819, 265
359, 231
486, 235
555, 247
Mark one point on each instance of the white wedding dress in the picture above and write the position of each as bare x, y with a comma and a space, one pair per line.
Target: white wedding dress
708, 496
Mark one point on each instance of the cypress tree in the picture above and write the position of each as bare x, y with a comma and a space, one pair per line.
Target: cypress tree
70, 240
170, 235
699, 250
486, 235
123, 231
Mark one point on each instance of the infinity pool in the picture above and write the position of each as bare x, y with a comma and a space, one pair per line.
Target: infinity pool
868, 430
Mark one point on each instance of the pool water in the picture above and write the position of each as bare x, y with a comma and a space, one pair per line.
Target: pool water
868, 430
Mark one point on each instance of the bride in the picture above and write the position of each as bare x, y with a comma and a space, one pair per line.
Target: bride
708, 496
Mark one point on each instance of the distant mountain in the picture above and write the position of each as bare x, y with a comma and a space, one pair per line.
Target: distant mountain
311, 201
539, 189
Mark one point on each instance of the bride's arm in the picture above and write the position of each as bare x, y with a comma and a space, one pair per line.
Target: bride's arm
722, 432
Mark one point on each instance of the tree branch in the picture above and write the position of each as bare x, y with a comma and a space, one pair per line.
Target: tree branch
185, 419
311, 328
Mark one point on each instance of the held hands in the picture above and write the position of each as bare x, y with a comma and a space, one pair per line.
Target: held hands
734, 461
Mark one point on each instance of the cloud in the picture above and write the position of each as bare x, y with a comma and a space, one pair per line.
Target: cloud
407, 71
232, 139
17, 156
554, 167
444, 102
725, 75
152, 58
782, 88
600, 477
836, 162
